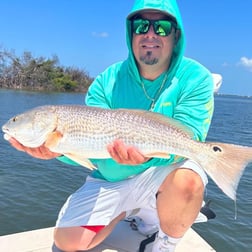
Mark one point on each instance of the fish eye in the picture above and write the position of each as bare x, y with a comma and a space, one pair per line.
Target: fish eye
14, 119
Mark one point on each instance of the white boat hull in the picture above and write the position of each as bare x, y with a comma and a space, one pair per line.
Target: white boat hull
122, 239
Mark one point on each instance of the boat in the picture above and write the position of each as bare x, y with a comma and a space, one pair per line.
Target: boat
217, 78
124, 238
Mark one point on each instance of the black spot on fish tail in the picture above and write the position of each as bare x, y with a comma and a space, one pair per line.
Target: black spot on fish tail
225, 165
217, 149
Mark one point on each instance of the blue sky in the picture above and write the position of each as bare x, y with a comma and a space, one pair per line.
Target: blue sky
91, 34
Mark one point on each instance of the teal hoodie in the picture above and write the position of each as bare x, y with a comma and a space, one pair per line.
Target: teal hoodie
187, 94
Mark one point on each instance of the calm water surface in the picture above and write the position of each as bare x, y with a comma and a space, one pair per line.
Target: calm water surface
33, 191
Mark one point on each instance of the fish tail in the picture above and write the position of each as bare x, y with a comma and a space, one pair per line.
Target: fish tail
226, 164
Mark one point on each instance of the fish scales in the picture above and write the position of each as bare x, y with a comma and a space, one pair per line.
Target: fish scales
99, 128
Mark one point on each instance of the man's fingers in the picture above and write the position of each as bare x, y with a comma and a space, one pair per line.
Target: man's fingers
39, 152
14, 143
121, 150
125, 154
135, 156
114, 153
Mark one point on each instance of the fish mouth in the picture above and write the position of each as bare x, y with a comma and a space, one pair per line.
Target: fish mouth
7, 137
5, 129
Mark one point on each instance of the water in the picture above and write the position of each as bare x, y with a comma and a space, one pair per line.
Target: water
33, 190
232, 123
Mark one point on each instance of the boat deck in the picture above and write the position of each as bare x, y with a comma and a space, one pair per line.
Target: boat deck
122, 239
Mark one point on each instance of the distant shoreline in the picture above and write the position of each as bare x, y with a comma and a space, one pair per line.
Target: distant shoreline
84, 91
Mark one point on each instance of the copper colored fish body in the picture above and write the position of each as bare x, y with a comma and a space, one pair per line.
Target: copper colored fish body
82, 132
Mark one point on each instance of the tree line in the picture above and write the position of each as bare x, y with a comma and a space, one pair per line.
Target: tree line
40, 74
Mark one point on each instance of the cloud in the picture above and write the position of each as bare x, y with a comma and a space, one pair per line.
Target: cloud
100, 34
246, 62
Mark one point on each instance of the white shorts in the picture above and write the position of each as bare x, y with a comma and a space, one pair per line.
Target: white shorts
98, 201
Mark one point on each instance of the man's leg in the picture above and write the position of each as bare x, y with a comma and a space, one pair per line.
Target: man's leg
80, 238
179, 200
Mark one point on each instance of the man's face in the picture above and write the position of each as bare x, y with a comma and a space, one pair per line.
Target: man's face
151, 49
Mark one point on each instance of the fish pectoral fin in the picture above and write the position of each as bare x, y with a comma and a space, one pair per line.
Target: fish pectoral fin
158, 155
82, 161
53, 139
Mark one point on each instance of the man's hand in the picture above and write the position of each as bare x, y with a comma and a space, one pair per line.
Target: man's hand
40, 152
123, 154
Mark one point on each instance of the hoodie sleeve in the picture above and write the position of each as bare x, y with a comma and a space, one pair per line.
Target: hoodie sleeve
196, 102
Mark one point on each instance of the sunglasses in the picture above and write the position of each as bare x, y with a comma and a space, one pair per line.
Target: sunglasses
161, 27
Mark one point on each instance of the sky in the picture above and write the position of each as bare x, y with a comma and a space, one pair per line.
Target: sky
90, 35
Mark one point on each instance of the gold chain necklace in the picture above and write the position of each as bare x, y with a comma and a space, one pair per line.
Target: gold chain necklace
153, 100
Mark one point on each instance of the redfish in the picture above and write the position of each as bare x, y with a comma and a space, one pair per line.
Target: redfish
82, 132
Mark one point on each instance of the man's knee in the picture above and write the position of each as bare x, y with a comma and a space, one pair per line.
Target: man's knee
191, 181
185, 181
73, 238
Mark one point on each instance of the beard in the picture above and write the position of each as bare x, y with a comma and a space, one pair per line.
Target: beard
148, 59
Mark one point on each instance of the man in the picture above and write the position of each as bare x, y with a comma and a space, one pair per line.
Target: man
156, 76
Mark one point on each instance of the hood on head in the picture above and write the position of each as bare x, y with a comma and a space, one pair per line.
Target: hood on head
169, 8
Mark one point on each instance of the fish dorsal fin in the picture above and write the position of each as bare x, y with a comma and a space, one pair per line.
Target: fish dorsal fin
163, 119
